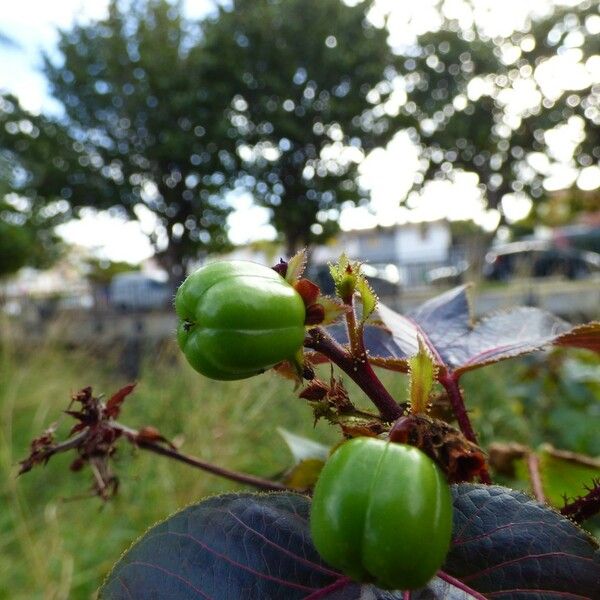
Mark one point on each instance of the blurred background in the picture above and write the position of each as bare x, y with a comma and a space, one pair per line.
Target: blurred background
441, 142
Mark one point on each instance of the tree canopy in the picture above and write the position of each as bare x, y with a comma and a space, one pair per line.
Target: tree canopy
140, 131
27, 221
297, 74
493, 105
162, 116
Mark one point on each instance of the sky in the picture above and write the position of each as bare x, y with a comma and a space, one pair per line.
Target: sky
32, 24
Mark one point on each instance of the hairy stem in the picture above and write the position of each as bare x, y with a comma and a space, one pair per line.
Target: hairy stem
585, 507
359, 370
353, 333
450, 383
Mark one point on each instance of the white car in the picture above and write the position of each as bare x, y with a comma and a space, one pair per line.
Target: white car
139, 291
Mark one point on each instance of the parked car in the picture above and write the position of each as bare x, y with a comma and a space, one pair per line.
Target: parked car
449, 275
139, 291
539, 259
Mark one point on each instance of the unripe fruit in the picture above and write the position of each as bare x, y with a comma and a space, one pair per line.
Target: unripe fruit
382, 513
237, 319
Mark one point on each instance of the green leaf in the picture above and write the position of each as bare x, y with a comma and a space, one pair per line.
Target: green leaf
333, 309
296, 266
423, 371
368, 297
304, 475
344, 275
563, 474
303, 448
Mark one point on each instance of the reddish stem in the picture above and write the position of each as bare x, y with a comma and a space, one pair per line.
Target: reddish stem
450, 383
585, 507
359, 370
244, 478
460, 585
338, 584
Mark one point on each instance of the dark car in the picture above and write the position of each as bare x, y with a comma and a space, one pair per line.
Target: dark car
539, 259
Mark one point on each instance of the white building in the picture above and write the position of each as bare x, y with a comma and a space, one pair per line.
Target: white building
413, 248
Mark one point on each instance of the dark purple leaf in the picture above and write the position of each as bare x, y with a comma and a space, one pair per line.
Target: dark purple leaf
255, 546
232, 546
504, 335
509, 547
458, 344
583, 336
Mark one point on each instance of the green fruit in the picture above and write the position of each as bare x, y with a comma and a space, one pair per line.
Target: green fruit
382, 513
238, 318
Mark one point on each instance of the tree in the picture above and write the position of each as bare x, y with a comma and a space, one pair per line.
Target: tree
14, 244
460, 108
26, 223
141, 130
297, 76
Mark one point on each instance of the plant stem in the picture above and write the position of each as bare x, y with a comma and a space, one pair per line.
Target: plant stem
162, 450
585, 507
45, 455
533, 466
245, 478
359, 370
450, 383
460, 585
324, 592
353, 334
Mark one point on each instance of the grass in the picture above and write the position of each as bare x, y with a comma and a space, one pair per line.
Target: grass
57, 545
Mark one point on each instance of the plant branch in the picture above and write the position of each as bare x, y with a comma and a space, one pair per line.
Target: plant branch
359, 370
460, 585
43, 455
450, 383
585, 507
354, 336
533, 466
169, 452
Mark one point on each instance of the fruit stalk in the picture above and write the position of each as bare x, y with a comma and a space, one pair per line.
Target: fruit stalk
358, 369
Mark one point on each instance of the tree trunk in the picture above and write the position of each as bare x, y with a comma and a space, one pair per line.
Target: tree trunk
172, 261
